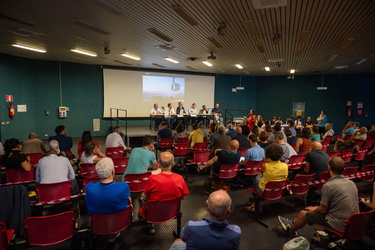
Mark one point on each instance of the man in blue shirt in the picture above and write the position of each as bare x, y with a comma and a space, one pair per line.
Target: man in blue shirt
65, 142
217, 233
348, 129
217, 112
255, 153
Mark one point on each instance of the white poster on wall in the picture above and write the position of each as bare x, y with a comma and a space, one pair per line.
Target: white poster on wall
96, 124
21, 108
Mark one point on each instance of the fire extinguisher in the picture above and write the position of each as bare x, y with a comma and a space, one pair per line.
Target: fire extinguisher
349, 112
11, 110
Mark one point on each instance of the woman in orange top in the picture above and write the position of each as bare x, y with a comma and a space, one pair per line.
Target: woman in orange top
304, 143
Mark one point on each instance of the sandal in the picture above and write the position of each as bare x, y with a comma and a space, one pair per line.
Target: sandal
250, 208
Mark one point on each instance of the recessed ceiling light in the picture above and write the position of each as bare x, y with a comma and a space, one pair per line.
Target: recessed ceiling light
267, 68
171, 60
29, 48
207, 63
131, 57
239, 66
292, 71
83, 52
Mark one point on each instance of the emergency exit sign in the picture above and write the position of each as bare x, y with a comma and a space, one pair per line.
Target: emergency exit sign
9, 98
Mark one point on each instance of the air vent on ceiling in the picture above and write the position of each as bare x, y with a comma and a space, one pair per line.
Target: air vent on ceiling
275, 60
266, 4
158, 65
90, 26
25, 32
160, 35
122, 62
215, 42
177, 8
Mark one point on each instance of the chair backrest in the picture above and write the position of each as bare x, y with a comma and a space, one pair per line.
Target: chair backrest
115, 152
350, 172
181, 149
253, 167
296, 161
49, 230
301, 183
87, 170
328, 139
5, 236
274, 190
357, 225
201, 157
228, 171
165, 142
14, 175
323, 178
183, 140
243, 151
337, 136
34, 158
332, 154
105, 224
88, 180
137, 182
347, 155
360, 156
158, 212
325, 146
120, 164
369, 173
358, 143
54, 191
200, 146
368, 143
347, 137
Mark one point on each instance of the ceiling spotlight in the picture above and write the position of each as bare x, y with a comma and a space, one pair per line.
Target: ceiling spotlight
278, 64
107, 50
267, 68
239, 66
277, 38
292, 71
212, 56
207, 63
222, 30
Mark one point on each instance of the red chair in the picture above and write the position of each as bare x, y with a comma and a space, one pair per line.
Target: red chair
347, 155
201, 157
323, 178
356, 227
115, 152
296, 161
120, 164
347, 137
165, 143
88, 170
325, 146
243, 151
358, 143
180, 151
151, 212
228, 171
19, 175
337, 136
350, 172
106, 224
301, 184
332, 154
272, 191
34, 158
200, 146
5, 236
49, 230
253, 167
54, 191
368, 173
88, 180
369, 143
328, 139
360, 156
137, 182
183, 140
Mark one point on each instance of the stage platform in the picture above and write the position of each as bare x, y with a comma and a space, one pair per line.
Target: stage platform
136, 132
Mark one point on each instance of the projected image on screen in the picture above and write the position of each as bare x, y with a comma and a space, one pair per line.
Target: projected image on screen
159, 88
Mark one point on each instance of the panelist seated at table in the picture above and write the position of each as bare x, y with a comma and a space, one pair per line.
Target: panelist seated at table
193, 113
169, 111
202, 113
156, 111
180, 111
217, 112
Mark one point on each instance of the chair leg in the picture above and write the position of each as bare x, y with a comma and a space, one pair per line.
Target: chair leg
177, 235
257, 212
186, 171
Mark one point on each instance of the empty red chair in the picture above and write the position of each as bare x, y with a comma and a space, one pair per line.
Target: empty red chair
368, 173
301, 184
358, 143
201, 157
332, 154
115, 152
347, 155
337, 136
180, 149
165, 143
5, 236
356, 227
19, 175
54, 191
296, 161
49, 230
323, 178
183, 140
200, 146
325, 146
88, 180
120, 164
243, 151
253, 167
350, 172
106, 224
34, 158
328, 139
87, 170
347, 137
151, 212
368, 143
137, 182
360, 156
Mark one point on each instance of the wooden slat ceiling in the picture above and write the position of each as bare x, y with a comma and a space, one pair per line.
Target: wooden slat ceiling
315, 35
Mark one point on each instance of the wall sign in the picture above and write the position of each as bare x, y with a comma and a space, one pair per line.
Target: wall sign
9, 98
359, 105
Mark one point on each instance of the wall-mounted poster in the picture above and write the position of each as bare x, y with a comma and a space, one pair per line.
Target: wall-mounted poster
359, 105
298, 109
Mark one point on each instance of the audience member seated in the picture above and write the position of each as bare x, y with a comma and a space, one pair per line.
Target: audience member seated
200, 126
292, 140
255, 153
289, 120
287, 149
193, 113
106, 196
308, 122
212, 132
316, 161
260, 126
360, 134
230, 156
304, 143
298, 122
369, 203
277, 128
65, 142
292, 129
268, 129
245, 128
13, 159
217, 113
315, 136
255, 131
273, 120
91, 154
241, 138
166, 185
279, 120
115, 140
339, 201
329, 130
180, 110
141, 158
165, 132
196, 135
86, 137
217, 232
33, 145
220, 141
53, 168
272, 170
179, 132
263, 140
348, 129
231, 132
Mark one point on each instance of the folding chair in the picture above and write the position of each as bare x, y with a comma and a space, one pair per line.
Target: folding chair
88, 170
88, 180
350, 172
137, 182
54, 192
151, 213
296, 162
272, 191
120, 164
34, 158
368, 173
114, 152
49, 230
5, 236
19, 175
106, 224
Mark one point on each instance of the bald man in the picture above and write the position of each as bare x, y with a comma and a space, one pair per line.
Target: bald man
316, 160
230, 156
33, 145
241, 138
